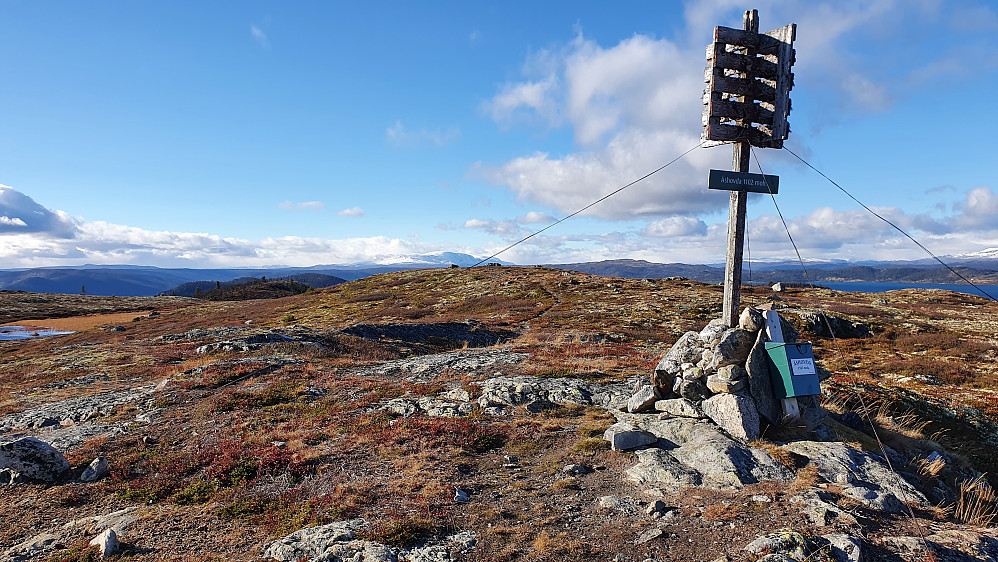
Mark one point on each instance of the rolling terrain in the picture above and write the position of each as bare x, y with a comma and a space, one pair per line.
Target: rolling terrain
464, 410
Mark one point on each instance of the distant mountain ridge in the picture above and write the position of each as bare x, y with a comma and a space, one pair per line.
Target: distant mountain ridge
142, 280
125, 280
886, 272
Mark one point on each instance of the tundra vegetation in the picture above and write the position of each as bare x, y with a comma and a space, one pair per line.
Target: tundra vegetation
227, 425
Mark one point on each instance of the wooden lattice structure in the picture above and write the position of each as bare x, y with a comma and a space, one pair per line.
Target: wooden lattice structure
747, 98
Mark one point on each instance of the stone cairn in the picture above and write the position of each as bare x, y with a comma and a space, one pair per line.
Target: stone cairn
721, 373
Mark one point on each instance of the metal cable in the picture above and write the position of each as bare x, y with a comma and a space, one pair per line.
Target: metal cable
896, 227
835, 344
594, 203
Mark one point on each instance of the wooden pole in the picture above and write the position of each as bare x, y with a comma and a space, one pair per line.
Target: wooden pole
736, 211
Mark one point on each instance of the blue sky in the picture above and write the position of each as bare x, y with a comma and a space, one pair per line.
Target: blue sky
301, 133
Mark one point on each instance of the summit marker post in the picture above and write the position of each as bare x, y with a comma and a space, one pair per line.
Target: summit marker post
746, 101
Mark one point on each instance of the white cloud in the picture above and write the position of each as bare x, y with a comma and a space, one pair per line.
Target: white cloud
351, 212
292, 206
260, 37
979, 210
7, 221
21, 214
500, 227
632, 106
676, 226
475, 36
535, 217
399, 136
576, 180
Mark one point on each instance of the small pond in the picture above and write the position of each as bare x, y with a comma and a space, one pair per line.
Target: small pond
8, 333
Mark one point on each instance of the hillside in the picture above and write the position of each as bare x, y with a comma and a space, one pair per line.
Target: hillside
202, 288
460, 414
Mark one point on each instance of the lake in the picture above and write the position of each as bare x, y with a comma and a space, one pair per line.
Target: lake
8, 333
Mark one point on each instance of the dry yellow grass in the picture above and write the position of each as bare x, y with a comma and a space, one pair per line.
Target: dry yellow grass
79, 323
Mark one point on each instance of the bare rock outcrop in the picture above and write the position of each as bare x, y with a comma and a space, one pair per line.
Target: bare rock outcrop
30, 457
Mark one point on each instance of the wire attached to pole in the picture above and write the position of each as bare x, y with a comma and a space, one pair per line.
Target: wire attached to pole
593, 204
896, 227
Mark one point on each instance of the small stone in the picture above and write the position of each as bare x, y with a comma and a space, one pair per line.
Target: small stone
460, 495
617, 503
644, 399
648, 535
712, 331
576, 469
732, 372
655, 507
107, 543
718, 384
845, 548
751, 320
623, 436
693, 390
678, 407
762, 499
96, 470
693, 373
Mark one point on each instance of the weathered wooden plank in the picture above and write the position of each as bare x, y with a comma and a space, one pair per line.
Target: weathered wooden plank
732, 133
736, 209
755, 89
762, 44
756, 66
784, 79
747, 111
774, 333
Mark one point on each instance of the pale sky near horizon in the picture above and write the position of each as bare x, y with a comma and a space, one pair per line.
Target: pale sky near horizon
193, 134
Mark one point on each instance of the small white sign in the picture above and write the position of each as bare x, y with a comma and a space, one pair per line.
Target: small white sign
803, 366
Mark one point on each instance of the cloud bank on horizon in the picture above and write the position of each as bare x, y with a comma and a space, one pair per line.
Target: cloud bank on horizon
35, 236
627, 107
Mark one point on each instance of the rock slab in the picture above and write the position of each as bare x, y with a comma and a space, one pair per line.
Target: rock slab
32, 458
735, 413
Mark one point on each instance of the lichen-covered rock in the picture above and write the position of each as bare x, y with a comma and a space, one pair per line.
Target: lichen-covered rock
644, 399
659, 468
735, 413
720, 384
72, 410
732, 372
32, 458
95, 471
751, 320
429, 406
337, 542
515, 391
868, 472
687, 349
819, 324
705, 456
623, 436
35, 548
711, 333
844, 548
787, 543
759, 381
678, 407
106, 543
733, 349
